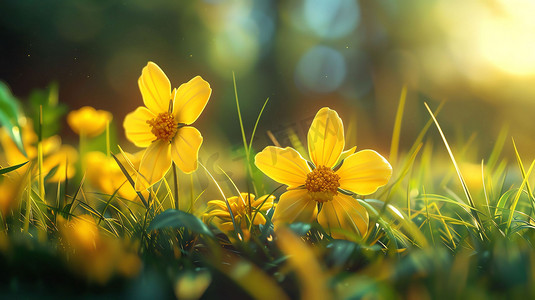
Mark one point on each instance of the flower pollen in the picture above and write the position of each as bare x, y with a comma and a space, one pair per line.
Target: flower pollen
322, 184
164, 126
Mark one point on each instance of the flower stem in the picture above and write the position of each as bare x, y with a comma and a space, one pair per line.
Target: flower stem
175, 177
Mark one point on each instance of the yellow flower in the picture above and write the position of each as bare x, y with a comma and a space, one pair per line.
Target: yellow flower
9, 194
362, 173
55, 154
93, 254
163, 127
88, 121
105, 174
243, 208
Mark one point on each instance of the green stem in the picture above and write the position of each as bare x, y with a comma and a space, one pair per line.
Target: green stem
175, 177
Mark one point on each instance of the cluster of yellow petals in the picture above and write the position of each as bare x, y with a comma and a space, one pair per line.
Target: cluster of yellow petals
88, 121
361, 172
104, 173
244, 208
56, 155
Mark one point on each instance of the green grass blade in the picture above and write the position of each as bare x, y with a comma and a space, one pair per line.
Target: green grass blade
459, 174
237, 229
394, 146
523, 171
128, 177
256, 124
239, 113
11, 168
517, 197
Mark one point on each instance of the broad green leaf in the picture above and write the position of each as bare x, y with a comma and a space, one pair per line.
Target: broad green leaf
9, 116
179, 219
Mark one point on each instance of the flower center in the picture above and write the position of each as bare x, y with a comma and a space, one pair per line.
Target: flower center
164, 126
322, 184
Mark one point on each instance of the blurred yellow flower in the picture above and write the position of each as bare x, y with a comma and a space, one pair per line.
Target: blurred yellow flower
104, 173
362, 173
163, 124
88, 121
9, 194
55, 155
94, 255
243, 208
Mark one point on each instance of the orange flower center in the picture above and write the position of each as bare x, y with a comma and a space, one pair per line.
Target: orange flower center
164, 126
322, 184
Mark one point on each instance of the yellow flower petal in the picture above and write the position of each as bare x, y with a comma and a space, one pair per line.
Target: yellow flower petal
190, 100
64, 158
285, 166
217, 204
88, 121
259, 219
294, 206
137, 130
51, 144
345, 213
326, 138
185, 148
364, 172
346, 153
155, 88
154, 164
267, 204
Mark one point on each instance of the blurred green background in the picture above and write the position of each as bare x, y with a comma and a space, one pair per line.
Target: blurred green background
353, 56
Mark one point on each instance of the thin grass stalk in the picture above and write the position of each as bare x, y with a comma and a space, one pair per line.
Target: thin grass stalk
175, 178
41, 182
517, 196
523, 171
108, 139
459, 174
237, 229
27, 213
394, 145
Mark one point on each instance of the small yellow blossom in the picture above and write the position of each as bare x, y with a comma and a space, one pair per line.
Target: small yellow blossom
9, 194
162, 125
55, 154
88, 121
362, 173
105, 174
243, 208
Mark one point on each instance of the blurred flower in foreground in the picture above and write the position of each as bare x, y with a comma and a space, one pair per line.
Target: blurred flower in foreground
244, 208
162, 126
362, 173
9, 190
94, 255
104, 173
88, 121
55, 155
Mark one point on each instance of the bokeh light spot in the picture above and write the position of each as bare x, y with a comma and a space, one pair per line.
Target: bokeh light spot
331, 18
321, 69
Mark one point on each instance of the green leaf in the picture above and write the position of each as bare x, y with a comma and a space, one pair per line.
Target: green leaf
12, 168
179, 219
9, 116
